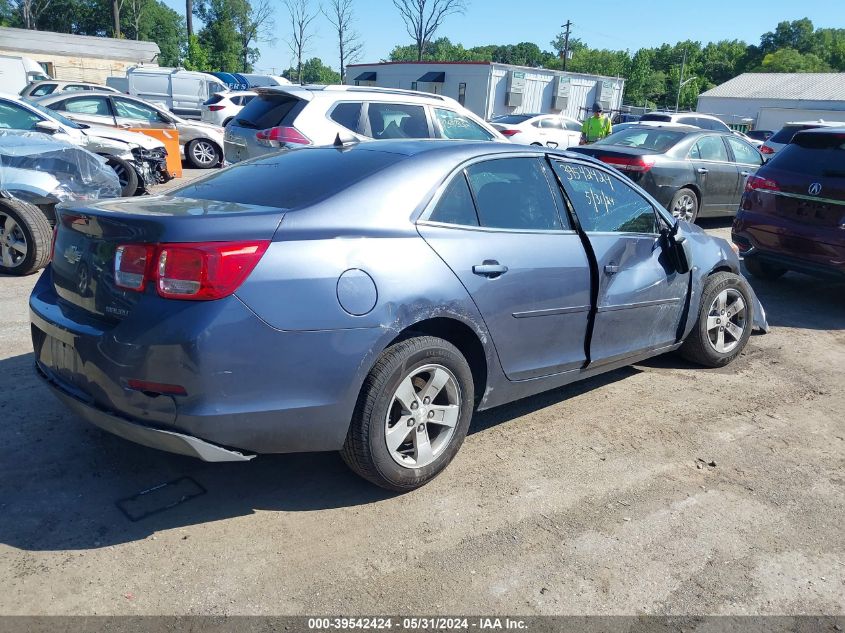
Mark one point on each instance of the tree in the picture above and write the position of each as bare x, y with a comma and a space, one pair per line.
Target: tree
313, 71
301, 17
219, 36
29, 11
340, 15
789, 60
116, 6
135, 10
422, 18
189, 17
253, 23
196, 57
164, 26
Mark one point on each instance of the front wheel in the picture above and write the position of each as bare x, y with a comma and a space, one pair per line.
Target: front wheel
126, 175
202, 154
25, 237
412, 414
725, 320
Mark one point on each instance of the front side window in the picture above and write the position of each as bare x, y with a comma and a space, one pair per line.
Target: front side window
513, 193
136, 111
744, 153
455, 205
87, 105
605, 203
348, 115
397, 120
457, 126
711, 148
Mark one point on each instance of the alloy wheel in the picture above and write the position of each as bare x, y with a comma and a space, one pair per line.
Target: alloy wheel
726, 321
13, 246
203, 152
684, 208
122, 176
422, 416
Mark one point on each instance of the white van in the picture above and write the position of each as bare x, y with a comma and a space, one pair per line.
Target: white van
181, 91
16, 73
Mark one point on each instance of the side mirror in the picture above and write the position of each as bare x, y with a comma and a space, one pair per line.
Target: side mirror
679, 249
47, 127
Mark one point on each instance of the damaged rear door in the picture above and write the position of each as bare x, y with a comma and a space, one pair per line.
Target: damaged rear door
640, 297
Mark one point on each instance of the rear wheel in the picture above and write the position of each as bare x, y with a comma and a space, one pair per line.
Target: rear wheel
202, 153
762, 270
684, 205
126, 175
724, 323
25, 237
412, 415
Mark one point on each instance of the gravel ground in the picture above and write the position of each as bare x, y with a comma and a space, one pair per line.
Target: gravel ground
660, 488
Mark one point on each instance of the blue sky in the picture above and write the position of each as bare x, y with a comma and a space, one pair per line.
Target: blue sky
607, 24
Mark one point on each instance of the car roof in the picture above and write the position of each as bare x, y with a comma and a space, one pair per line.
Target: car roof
818, 123
824, 130
313, 90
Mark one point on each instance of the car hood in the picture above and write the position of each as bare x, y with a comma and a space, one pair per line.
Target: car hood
123, 136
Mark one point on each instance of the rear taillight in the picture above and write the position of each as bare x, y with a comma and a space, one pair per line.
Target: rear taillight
765, 149
197, 271
215, 108
755, 183
509, 133
638, 164
278, 136
131, 262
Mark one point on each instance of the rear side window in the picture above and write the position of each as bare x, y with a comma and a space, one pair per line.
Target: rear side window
457, 126
455, 205
744, 153
513, 193
711, 148
214, 99
87, 105
290, 180
785, 134
43, 89
348, 115
605, 203
816, 155
397, 120
267, 111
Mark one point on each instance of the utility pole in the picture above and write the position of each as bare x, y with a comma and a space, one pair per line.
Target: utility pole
681, 81
568, 27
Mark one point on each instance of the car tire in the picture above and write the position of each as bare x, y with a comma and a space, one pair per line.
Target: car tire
374, 446
684, 205
762, 270
723, 327
202, 154
126, 174
23, 225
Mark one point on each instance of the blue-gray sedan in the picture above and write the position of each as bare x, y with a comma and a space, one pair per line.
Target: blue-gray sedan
369, 299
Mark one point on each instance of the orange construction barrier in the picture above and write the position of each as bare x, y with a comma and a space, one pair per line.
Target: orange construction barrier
170, 138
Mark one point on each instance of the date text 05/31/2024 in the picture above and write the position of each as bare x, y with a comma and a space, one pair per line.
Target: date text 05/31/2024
417, 624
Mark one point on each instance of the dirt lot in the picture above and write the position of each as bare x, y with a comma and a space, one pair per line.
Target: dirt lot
589, 499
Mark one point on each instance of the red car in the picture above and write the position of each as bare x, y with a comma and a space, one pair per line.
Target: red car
792, 214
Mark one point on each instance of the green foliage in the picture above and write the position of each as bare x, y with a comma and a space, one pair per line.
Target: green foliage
196, 57
219, 37
789, 60
313, 72
161, 24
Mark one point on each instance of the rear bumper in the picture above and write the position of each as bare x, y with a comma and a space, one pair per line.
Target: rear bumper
813, 250
169, 441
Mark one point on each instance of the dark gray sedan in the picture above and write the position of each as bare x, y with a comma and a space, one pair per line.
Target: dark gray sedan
370, 298
692, 172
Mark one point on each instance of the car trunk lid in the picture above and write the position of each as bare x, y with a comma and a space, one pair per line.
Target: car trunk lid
87, 239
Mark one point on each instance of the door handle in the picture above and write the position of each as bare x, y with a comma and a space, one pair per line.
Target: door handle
745, 174
611, 269
490, 268
702, 170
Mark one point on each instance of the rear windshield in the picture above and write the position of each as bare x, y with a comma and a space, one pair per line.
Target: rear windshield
290, 180
816, 155
785, 134
665, 118
266, 111
758, 135
657, 139
214, 99
512, 119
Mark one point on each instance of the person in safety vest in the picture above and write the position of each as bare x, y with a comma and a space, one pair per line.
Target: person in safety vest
596, 127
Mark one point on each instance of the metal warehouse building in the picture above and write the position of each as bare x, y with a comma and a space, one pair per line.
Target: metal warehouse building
77, 57
766, 101
490, 89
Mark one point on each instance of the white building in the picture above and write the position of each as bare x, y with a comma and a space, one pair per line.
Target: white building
765, 101
490, 89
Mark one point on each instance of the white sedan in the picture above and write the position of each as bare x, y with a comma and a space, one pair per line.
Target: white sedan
548, 130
